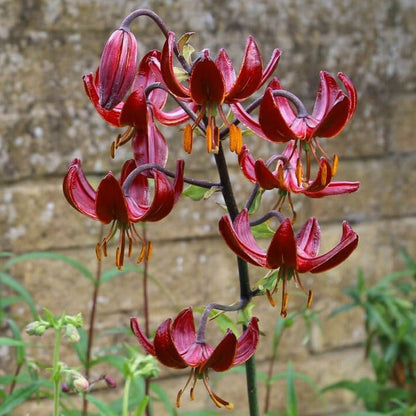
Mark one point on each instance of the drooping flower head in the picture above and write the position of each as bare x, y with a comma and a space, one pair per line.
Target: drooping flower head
176, 344
290, 253
288, 174
214, 83
122, 208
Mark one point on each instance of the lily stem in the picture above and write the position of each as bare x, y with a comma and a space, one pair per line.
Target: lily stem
245, 290
56, 377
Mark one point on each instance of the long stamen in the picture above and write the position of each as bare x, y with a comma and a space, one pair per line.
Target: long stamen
219, 402
180, 392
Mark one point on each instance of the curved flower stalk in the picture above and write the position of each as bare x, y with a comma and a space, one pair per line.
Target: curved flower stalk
288, 174
109, 204
214, 83
291, 254
176, 344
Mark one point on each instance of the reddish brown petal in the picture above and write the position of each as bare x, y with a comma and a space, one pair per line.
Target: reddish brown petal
141, 337
110, 202
134, 111
265, 178
149, 145
110, 116
272, 120
165, 349
206, 83
332, 258
282, 249
78, 191
222, 357
239, 238
335, 188
309, 237
246, 162
168, 71
183, 330
323, 177
247, 342
250, 74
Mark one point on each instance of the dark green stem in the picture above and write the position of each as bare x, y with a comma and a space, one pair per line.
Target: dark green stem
245, 290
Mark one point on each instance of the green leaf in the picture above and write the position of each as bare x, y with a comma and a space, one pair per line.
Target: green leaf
15, 399
8, 280
102, 407
196, 193
262, 230
112, 273
224, 322
81, 346
36, 255
291, 402
10, 342
256, 202
164, 398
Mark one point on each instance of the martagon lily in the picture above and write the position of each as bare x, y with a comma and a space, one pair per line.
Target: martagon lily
214, 83
288, 175
110, 203
176, 344
291, 254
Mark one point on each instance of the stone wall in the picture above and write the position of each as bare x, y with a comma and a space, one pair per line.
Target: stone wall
46, 120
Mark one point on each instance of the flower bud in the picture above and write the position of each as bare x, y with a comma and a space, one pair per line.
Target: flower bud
81, 384
37, 328
72, 333
117, 68
110, 382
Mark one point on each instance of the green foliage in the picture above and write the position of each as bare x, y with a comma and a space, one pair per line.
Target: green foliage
390, 323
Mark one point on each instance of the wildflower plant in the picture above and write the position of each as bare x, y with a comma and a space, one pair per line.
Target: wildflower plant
213, 99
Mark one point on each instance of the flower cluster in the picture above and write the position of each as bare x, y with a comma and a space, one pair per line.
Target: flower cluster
206, 96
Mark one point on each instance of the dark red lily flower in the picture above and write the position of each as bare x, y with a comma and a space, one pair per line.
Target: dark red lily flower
118, 67
134, 111
291, 254
288, 174
213, 83
177, 345
123, 208
280, 122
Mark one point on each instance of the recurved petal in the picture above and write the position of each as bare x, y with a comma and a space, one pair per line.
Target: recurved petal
110, 203
222, 358
246, 162
165, 348
347, 244
247, 342
309, 237
167, 68
266, 179
78, 191
183, 330
335, 188
250, 74
110, 116
282, 249
272, 119
206, 83
239, 238
141, 337
149, 145
322, 179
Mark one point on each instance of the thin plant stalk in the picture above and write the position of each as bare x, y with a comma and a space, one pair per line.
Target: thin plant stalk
126, 394
91, 326
56, 373
146, 307
245, 290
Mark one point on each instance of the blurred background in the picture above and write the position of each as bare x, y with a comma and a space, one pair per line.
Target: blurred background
46, 121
